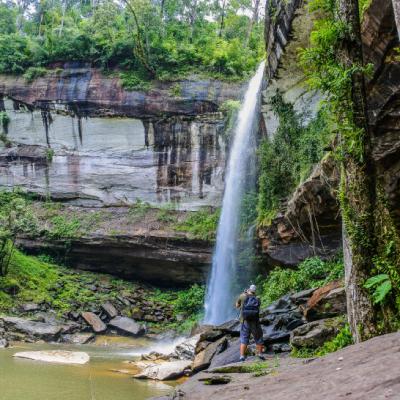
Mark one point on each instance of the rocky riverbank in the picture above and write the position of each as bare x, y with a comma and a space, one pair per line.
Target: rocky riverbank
302, 322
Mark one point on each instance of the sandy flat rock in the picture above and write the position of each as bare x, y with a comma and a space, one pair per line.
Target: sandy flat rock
55, 356
164, 371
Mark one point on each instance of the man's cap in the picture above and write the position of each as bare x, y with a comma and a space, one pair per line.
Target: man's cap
252, 288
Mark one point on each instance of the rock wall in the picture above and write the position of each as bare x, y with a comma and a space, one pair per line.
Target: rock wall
310, 224
85, 91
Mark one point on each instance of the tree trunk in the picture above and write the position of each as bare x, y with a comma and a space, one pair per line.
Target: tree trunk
357, 183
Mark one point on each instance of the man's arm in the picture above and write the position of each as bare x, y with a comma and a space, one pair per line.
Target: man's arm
239, 301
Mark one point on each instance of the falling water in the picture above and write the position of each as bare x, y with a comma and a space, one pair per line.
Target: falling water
224, 278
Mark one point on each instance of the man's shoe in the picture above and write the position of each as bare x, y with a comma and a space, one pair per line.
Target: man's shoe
261, 357
242, 358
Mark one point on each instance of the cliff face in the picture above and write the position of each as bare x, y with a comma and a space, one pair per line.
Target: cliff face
84, 91
310, 224
77, 137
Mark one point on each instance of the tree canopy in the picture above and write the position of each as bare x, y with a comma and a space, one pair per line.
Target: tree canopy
154, 38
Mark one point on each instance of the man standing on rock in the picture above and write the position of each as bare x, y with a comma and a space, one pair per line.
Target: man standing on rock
249, 305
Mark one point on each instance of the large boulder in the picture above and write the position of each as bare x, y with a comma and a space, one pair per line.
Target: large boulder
55, 356
229, 356
204, 358
32, 329
126, 326
316, 333
94, 321
186, 350
164, 371
110, 310
78, 338
327, 301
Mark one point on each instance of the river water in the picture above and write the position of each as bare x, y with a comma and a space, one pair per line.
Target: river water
22, 379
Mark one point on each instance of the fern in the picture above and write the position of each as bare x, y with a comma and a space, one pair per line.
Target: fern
382, 287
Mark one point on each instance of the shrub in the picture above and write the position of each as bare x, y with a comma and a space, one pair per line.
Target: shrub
201, 224
190, 301
312, 272
33, 73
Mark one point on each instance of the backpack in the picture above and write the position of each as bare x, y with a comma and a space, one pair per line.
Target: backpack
251, 308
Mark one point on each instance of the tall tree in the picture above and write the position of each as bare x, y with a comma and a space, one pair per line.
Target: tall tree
357, 186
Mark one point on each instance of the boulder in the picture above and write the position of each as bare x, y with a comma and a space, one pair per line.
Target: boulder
230, 328
110, 310
229, 356
56, 356
32, 329
94, 321
281, 348
316, 333
30, 307
165, 371
204, 358
186, 350
327, 301
78, 338
126, 326
3, 343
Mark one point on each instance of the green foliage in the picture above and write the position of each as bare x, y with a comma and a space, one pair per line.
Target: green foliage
34, 72
176, 90
131, 80
381, 286
201, 224
4, 122
312, 272
190, 301
341, 340
15, 53
139, 209
287, 158
62, 227
13, 220
165, 39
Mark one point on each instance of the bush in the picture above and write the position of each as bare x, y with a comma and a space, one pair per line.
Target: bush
190, 302
33, 73
15, 53
131, 80
311, 273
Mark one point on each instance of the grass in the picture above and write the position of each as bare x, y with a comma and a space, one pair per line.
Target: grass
38, 280
201, 224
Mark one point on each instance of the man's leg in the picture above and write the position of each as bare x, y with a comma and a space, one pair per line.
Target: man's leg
258, 338
244, 339
243, 349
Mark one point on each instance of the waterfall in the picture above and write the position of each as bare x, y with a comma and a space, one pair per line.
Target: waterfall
225, 276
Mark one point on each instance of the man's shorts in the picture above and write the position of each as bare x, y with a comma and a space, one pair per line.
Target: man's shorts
248, 328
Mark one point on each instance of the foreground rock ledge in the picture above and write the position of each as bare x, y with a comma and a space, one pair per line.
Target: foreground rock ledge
369, 370
55, 356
